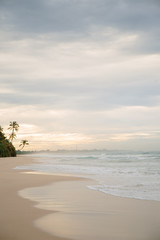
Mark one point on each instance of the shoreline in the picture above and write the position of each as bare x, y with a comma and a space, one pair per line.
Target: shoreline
85, 214
19, 216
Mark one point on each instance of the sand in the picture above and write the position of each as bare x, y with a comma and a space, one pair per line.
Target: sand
85, 214
17, 214
78, 213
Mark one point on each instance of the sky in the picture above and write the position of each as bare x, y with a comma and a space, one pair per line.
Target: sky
81, 74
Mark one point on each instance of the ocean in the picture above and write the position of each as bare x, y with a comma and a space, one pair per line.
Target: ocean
120, 173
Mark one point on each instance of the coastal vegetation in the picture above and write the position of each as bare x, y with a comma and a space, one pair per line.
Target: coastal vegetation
7, 148
23, 143
13, 127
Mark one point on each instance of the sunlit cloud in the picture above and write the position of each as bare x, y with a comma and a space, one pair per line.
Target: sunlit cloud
128, 136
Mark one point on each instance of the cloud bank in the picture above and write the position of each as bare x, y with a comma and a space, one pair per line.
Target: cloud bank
81, 72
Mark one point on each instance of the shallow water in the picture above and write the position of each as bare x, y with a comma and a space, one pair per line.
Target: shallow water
120, 173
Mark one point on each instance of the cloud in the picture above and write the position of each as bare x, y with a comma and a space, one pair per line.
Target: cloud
58, 15
132, 82
84, 97
84, 67
115, 128
70, 19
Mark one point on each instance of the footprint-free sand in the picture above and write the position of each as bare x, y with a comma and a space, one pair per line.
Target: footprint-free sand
69, 210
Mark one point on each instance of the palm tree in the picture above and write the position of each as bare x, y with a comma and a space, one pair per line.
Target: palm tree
12, 136
13, 126
23, 143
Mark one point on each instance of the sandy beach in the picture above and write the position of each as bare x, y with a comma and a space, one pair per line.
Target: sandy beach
17, 214
81, 214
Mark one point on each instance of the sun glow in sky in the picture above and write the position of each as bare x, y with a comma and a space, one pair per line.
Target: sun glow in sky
84, 74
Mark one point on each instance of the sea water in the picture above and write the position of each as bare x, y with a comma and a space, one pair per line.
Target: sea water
120, 173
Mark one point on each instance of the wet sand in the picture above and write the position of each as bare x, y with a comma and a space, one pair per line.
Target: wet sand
75, 213
84, 214
17, 214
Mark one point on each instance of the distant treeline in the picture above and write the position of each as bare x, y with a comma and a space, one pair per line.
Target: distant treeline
25, 152
60, 151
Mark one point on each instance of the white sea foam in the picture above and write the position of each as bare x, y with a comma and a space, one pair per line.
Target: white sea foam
125, 174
